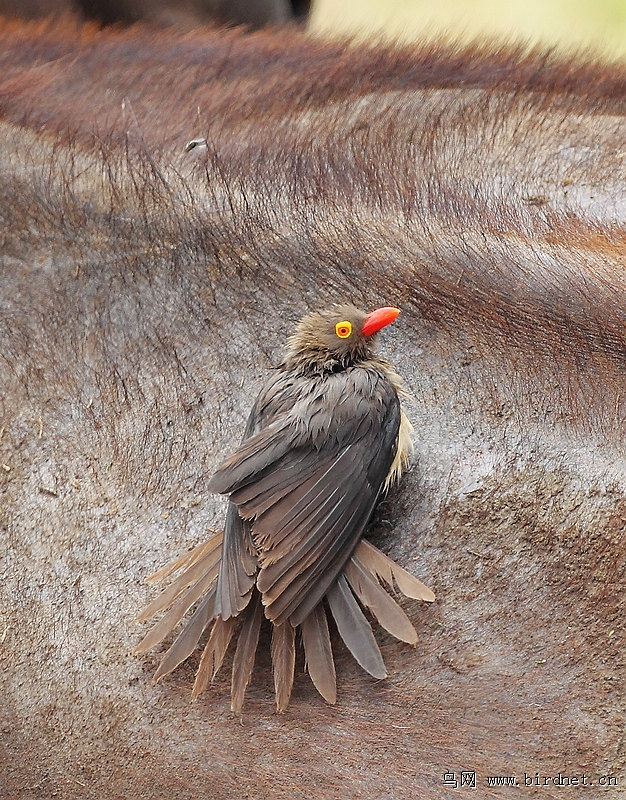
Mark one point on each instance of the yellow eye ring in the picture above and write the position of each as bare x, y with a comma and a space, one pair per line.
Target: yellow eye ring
343, 329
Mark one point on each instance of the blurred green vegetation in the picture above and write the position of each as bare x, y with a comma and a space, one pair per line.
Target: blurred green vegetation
599, 25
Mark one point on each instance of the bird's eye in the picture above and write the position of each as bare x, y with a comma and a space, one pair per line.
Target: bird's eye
343, 329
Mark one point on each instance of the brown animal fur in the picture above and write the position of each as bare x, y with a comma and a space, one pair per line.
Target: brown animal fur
480, 190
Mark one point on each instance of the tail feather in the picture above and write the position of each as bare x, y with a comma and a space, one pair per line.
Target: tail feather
187, 640
186, 560
213, 653
283, 662
381, 566
170, 620
383, 606
318, 653
210, 563
354, 628
245, 653
365, 578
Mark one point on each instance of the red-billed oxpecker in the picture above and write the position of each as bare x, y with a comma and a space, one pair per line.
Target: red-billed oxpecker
325, 437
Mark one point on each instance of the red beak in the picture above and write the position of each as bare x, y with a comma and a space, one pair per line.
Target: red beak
378, 319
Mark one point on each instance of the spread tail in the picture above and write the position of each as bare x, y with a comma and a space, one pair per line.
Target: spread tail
364, 583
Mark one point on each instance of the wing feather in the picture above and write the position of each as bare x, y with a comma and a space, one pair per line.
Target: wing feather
254, 455
238, 566
329, 509
255, 498
298, 511
317, 564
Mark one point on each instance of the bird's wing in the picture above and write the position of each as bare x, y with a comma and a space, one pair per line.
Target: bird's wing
308, 481
254, 456
238, 567
256, 453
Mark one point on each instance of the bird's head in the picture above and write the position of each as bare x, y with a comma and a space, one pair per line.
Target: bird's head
337, 338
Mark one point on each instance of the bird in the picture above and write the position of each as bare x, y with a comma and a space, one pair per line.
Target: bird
326, 437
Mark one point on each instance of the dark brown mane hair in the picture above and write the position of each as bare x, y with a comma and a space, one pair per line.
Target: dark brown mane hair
462, 180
